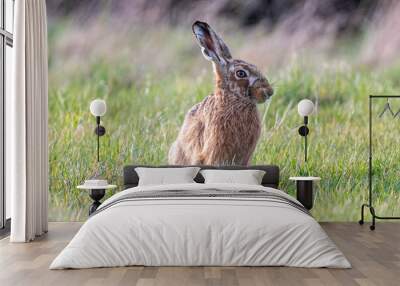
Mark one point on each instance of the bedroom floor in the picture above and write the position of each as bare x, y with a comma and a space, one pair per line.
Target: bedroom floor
375, 257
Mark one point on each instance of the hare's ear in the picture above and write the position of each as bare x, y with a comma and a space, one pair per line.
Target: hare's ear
212, 46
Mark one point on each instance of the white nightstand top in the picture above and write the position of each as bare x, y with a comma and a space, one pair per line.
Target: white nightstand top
86, 187
305, 178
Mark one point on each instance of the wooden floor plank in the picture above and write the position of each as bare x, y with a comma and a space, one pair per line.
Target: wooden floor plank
375, 257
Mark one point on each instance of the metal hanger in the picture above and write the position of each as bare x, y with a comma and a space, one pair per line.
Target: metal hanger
386, 108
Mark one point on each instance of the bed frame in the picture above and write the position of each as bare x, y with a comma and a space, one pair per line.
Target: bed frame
270, 179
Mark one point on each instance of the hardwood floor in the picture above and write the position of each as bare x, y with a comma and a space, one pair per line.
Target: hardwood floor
375, 257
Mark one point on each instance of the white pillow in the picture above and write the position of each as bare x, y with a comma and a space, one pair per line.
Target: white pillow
163, 176
248, 177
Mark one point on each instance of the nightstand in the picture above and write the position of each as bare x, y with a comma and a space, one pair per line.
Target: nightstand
96, 193
305, 192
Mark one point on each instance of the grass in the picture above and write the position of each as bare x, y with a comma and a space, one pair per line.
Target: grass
146, 109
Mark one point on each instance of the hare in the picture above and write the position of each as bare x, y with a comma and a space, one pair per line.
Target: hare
224, 128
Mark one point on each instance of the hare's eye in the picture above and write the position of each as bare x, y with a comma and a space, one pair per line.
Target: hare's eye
241, 74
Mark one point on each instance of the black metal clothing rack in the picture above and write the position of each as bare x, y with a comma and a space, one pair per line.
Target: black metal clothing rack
370, 202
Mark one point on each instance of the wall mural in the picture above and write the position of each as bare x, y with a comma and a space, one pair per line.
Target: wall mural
167, 105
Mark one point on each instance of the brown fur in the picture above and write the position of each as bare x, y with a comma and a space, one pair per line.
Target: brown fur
224, 128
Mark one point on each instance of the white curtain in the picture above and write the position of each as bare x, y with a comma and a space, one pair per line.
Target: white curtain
26, 123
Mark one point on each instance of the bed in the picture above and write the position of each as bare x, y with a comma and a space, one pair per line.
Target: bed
198, 224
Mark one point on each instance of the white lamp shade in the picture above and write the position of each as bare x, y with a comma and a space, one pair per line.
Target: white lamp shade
305, 107
98, 107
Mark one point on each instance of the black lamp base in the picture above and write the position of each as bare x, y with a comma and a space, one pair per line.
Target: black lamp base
100, 130
303, 130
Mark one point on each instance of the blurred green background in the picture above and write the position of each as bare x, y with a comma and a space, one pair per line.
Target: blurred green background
141, 57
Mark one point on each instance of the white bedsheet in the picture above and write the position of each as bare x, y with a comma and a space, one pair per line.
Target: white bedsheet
200, 231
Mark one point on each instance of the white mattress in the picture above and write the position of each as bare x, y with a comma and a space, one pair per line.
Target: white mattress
202, 231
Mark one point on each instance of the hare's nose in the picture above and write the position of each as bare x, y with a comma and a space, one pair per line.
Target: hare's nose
270, 91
